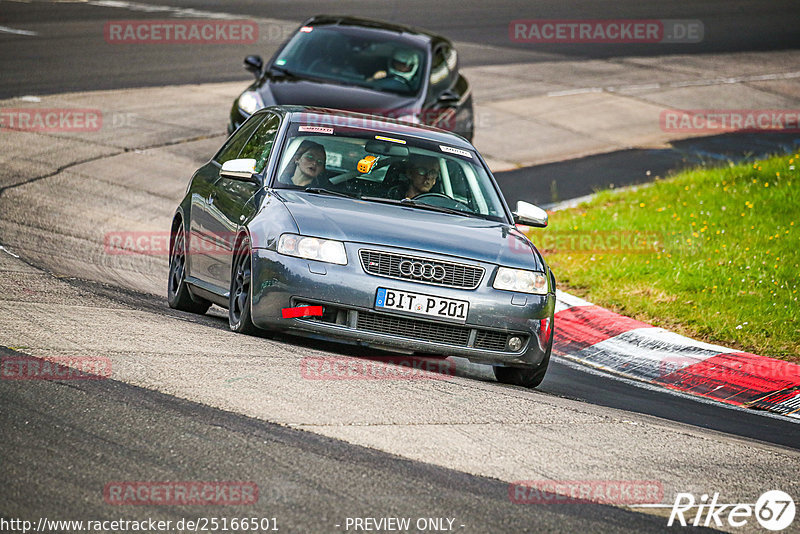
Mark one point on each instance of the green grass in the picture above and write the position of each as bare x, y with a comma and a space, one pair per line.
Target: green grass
717, 258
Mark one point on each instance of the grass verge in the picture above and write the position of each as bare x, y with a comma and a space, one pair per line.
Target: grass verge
711, 253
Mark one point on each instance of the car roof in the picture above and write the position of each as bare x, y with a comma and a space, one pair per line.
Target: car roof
319, 116
407, 32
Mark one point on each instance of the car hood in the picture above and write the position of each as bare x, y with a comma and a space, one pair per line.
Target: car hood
410, 228
285, 91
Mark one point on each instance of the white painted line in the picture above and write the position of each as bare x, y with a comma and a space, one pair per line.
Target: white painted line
632, 88
6, 29
4, 249
581, 91
687, 83
180, 12
658, 337
30, 98
570, 300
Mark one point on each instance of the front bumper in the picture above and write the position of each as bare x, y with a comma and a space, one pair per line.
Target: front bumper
348, 293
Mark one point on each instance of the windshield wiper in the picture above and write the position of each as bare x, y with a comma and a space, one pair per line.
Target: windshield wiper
323, 191
283, 70
422, 205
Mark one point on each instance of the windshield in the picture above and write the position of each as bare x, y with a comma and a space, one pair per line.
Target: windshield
365, 59
388, 168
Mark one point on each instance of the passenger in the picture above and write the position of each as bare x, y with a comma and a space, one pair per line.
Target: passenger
307, 166
421, 174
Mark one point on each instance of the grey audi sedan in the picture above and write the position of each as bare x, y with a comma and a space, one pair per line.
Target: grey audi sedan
367, 230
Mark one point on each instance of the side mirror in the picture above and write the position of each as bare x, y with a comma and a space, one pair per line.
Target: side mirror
254, 64
448, 98
243, 170
530, 215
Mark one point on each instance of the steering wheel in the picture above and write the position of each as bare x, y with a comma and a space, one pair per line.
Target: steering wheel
453, 203
407, 83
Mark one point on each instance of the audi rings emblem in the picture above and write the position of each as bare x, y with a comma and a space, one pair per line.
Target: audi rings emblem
417, 269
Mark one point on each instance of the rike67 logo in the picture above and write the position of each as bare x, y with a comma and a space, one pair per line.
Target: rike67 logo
774, 510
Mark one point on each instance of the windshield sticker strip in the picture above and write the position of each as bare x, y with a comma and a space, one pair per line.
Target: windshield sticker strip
456, 151
315, 129
392, 139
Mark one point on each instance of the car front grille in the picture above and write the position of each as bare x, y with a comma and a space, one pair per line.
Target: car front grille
388, 264
413, 329
434, 332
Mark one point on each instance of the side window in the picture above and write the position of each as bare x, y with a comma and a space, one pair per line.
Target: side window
235, 143
260, 144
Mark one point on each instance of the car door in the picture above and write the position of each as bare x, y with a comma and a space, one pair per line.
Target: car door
448, 104
201, 244
234, 202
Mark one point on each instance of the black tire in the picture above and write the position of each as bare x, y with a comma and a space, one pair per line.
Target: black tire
178, 295
239, 316
527, 377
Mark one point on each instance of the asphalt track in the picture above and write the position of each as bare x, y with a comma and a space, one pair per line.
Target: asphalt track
69, 54
551, 183
62, 441
309, 482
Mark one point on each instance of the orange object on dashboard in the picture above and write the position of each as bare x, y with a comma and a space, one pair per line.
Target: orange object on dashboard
365, 164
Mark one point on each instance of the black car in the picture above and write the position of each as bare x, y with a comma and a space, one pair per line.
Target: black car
365, 66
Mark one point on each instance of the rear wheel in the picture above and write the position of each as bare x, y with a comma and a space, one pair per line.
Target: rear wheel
239, 316
178, 295
527, 377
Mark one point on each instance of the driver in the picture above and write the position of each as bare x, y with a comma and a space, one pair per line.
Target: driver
422, 172
402, 64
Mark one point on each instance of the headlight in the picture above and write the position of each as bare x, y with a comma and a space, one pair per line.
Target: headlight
521, 281
312, 248
250, 102
413, 119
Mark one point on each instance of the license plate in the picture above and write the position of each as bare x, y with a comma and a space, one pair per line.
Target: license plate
419, 304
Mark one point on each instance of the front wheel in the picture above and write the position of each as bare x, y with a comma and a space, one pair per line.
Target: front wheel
239, 310
178, 295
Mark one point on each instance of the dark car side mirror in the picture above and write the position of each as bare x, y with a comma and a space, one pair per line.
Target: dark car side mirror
449, 98
254, 64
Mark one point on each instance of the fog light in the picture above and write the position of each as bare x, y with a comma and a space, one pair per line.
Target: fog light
514, 343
